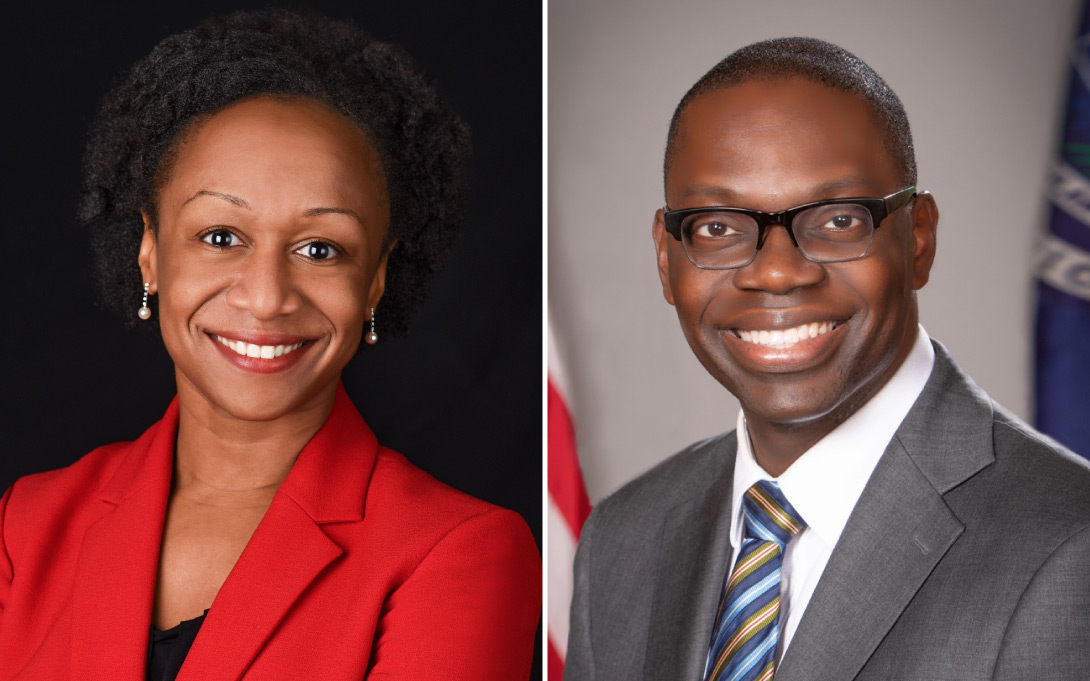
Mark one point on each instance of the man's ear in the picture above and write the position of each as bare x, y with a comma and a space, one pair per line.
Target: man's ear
662, 245
925, 223
148, 258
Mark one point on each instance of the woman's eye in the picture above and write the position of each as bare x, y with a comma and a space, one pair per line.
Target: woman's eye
221, 238
317, 250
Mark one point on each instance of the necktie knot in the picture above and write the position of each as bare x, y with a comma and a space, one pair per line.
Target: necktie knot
768, 514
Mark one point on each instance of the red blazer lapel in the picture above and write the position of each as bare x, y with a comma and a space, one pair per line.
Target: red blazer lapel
114, 587
289, 549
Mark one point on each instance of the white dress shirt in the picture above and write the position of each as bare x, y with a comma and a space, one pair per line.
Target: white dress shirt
825, 483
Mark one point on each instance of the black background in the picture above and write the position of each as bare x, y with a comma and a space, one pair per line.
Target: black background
460, 396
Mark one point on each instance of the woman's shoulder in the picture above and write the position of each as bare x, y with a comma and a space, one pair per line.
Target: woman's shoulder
418, 498
437, 523
80, 480
44, 508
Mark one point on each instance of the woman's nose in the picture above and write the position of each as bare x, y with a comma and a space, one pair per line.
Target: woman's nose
265, 286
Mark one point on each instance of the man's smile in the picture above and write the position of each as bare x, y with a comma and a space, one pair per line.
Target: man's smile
785, 338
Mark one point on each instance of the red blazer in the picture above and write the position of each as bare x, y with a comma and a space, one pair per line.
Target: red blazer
363, 566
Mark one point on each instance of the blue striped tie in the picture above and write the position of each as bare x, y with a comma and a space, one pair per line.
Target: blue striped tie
747, 626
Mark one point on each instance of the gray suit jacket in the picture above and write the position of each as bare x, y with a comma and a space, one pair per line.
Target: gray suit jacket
967, 557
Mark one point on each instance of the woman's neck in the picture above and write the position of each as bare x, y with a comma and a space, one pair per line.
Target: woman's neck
222, 454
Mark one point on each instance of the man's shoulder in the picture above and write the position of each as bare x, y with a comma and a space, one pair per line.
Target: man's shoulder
682, 476
961, 435
1051, 481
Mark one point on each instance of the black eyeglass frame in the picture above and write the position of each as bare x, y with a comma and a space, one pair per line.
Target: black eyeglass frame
880, 209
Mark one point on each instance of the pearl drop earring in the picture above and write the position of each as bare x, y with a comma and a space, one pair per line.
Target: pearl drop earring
145, 312
371, 337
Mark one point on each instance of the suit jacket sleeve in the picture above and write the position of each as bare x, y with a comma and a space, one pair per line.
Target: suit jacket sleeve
1048, 637
579, 663
6, 571
470, 608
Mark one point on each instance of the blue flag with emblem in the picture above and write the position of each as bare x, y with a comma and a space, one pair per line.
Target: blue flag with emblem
1063, 270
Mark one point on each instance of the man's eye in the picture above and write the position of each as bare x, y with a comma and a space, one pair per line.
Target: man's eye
713, 229
842, 222
221, 238
318, 250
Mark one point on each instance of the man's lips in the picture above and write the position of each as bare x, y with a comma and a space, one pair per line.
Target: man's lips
785, 338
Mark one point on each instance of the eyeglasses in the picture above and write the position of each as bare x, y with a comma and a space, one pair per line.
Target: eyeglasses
835, 230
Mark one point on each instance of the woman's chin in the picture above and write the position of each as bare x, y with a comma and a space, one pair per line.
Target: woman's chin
255, 400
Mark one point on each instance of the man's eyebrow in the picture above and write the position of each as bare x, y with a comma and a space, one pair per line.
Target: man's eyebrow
309, 213
726, 196
234, 200
860, 182
721, 194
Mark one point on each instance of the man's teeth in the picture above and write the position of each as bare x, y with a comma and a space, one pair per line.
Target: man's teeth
785, 338
261, 351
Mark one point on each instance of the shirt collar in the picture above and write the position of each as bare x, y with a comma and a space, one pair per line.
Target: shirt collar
825, 483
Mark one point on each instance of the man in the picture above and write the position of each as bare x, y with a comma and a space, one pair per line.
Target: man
874, 515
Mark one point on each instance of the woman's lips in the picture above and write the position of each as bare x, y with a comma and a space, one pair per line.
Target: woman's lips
253, 350
265, 356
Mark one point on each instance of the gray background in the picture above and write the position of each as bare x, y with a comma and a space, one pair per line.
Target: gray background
984, 86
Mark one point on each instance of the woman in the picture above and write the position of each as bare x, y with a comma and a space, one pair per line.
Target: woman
269, 189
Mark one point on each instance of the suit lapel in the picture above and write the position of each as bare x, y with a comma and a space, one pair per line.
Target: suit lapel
898, 532
114, 587
289, 549
285, 554
692, 564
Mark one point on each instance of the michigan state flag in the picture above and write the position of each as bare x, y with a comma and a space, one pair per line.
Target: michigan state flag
1063, 268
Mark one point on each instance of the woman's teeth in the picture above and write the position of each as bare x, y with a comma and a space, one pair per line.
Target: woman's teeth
785, 338
260, 351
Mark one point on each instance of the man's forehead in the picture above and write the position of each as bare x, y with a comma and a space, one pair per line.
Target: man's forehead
769, 105
804, 137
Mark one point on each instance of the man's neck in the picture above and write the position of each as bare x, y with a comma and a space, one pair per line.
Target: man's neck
777, 445
775, 448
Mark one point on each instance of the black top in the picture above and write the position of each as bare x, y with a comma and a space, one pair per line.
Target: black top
167, 649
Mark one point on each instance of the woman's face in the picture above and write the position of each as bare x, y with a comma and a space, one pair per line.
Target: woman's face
268, 256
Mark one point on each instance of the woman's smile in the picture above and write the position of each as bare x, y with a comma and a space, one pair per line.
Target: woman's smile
261, 354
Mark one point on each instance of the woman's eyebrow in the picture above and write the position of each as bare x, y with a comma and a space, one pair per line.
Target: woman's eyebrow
219, 195
326, 210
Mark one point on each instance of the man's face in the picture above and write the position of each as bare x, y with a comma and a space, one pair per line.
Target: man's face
771, 146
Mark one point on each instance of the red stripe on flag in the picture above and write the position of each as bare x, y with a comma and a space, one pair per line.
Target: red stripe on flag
565, 479
556, 665
568, 496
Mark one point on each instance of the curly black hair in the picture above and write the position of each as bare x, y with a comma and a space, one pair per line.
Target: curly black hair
188, 77
818, 62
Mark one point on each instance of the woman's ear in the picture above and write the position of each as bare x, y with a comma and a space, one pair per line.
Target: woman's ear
148, 257
378, 284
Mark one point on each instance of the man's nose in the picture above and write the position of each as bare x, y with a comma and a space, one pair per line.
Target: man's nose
779, 266
265, 286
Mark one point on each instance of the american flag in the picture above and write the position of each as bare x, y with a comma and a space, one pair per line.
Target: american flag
568, 508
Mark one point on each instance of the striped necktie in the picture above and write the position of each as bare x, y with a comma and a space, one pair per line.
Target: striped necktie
747, 626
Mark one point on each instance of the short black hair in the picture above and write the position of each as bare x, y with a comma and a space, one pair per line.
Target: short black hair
188, 77
818, 62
